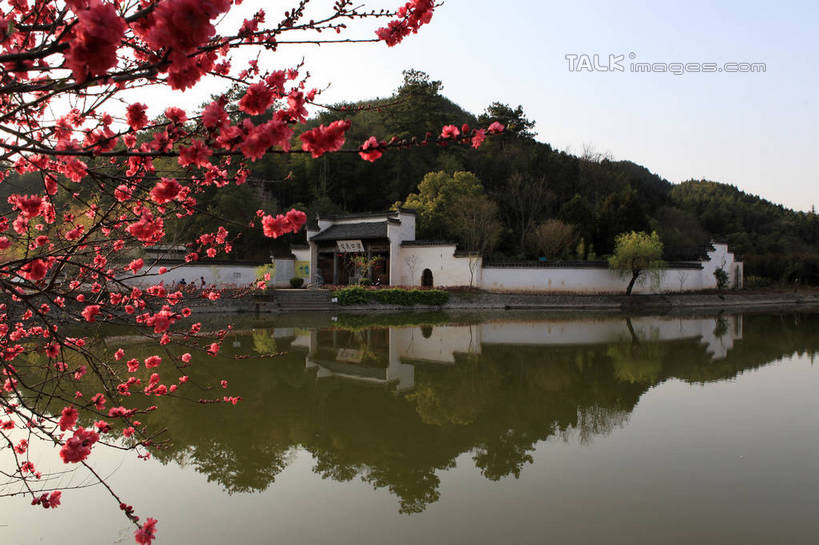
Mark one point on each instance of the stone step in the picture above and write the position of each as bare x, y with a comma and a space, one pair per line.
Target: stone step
303, 299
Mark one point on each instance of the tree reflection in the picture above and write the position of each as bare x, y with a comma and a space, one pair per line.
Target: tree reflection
495, 405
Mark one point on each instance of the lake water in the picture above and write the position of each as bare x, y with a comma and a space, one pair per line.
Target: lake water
482, 429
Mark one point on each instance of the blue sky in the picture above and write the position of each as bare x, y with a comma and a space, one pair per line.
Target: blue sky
757, 131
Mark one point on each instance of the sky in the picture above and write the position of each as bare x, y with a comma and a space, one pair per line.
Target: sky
757, 131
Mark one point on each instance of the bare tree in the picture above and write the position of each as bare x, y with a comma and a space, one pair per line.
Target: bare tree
528, 198
592, 155
475, 221
552, 237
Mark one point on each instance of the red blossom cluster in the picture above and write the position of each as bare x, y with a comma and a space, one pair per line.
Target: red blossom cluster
279, 225
412, 16
94, 39
112, 176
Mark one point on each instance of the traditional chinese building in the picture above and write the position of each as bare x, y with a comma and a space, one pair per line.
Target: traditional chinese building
381, 247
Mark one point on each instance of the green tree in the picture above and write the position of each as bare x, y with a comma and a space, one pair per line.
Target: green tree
636, 253
437, 195
512, 118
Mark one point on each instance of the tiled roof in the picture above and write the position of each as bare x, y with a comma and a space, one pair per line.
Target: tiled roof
353, 231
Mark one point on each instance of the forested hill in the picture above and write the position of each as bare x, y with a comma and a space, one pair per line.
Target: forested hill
530, 183
530, 200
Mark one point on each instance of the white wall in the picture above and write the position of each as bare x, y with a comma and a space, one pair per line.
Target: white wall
447, 269
720, 257
589, 280
217, 275
441, 345
591, 331
214, 275
285, 270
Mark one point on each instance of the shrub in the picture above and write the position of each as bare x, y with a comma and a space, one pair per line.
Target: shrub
296, 282
753, 282
722, 278
358, 295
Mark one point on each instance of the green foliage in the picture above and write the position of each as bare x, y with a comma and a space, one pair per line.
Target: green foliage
362, 265
263, 342
438, 193
750, 224
722, 278
357, 295
580, 252
261, 270
753, 282
635, 253
514, 120
355, 322
782, 269
600, 198
619, 213
296, 282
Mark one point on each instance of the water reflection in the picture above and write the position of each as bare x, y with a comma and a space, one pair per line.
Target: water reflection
394, 406
389, 356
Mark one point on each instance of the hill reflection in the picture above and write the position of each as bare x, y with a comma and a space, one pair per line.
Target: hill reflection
393, 406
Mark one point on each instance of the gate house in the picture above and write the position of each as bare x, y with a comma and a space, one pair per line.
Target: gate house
404, 261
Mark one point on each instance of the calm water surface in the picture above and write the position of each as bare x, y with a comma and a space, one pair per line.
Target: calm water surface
490, 429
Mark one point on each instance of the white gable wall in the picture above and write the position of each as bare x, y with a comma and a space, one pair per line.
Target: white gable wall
448, 270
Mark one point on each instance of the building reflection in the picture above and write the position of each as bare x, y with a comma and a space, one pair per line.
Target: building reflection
390, 355
396, 405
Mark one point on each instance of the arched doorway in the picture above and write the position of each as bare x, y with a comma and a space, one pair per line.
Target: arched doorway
426, 278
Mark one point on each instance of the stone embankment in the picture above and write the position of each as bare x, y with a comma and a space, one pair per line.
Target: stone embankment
286, 301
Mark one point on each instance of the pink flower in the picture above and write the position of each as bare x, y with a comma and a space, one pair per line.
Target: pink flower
322, 139
147, 229
369, 150
450, 131
478, 138
94, 40
297, 218
496, 128
135, 265
263, 137
52, 350
29, 205
186, 357
35, 270
257, 99
214, 115
176, 115
79, 446
196, 154
274, 227
152, 361
146, 533
413, 15
166, 189
54, 499
135, 116
90, 312
122, 193
68, 417
213, 349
